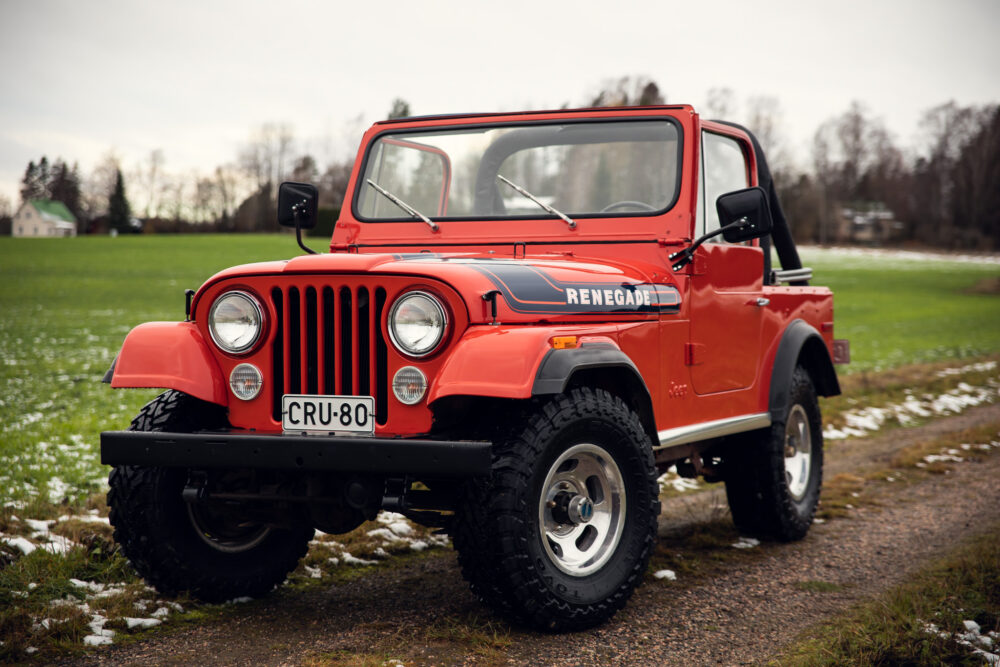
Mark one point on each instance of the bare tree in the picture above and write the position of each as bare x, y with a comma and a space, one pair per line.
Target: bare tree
98, 187
720, 103
150, 179
305, 170
627, 91
764, 119
333, 184
227, 184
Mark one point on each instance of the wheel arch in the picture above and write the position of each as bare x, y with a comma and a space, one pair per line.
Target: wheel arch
801, 345
599, 366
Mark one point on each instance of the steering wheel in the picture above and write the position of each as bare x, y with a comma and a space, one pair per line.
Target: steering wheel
641, 205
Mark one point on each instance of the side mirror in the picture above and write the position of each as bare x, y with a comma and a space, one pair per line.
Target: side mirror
297, 205
744, 215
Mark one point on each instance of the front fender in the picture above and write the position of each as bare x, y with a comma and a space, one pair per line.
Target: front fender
496, 361
170, 355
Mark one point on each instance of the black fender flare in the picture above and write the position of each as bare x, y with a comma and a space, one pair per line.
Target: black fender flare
800, 344
558, 368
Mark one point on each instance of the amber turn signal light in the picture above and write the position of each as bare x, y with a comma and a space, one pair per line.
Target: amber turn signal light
564, 342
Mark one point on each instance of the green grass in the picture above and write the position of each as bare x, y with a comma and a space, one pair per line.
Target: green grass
897, 311
892, 629
67, 305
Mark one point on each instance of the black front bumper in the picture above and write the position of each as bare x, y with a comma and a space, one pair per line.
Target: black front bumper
384, 456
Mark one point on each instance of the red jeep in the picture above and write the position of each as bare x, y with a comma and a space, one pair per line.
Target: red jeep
522, 319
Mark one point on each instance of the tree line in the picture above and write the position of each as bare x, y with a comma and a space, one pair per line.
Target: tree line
858, 184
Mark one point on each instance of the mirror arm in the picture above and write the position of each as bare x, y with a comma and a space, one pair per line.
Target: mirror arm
297, 212
685, 256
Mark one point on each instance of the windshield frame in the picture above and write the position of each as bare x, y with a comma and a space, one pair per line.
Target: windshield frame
414, 133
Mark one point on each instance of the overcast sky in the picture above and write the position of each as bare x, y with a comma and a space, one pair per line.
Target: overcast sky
194, 77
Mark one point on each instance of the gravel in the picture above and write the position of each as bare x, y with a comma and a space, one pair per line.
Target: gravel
748, 610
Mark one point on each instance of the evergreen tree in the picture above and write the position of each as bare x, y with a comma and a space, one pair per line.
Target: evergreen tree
64, 186
32, 186
119, 211
400, 109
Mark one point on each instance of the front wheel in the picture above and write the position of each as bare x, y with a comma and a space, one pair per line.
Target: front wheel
177, 546
561, 534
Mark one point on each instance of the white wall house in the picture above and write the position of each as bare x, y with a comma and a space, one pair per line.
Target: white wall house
43, 217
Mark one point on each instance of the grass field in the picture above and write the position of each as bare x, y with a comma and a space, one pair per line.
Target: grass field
898, 309
66, 305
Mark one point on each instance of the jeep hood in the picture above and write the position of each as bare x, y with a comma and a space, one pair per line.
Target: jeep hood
542, 287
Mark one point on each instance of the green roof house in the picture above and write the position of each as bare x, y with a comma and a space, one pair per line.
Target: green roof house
43, 217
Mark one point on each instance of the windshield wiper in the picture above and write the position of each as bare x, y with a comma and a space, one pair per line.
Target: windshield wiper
528, 195
402, 204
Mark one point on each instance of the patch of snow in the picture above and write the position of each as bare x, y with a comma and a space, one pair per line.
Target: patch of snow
141, 623
981, 367
352, 560
162, 612
940, 458
97, 640
746, 543
239, 600
85, 518
972, 638
670, 479
24, 545
859, 422
91, 586
386, 535
669, 575
313, 572
58, 544
40, 527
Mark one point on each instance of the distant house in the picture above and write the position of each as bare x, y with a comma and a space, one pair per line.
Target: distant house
870, 223
43, 217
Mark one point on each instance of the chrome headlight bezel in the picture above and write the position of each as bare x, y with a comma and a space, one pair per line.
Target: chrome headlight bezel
257, 314
437, 307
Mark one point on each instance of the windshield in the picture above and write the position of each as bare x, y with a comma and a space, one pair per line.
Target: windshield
577, 169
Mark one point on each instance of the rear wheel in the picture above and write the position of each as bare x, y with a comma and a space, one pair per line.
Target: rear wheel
561, 534
773, 477
177, 546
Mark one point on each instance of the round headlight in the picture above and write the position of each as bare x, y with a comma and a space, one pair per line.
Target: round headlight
235, 322
416, 323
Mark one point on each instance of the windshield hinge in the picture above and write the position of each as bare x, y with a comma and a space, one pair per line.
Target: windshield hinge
344, 247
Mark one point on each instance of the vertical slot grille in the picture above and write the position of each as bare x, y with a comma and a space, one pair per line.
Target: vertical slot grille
329, 341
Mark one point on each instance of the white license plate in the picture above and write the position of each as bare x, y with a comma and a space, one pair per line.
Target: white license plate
328, 414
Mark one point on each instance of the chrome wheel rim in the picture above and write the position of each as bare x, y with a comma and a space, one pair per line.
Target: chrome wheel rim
223, 535
581, 509
798, 452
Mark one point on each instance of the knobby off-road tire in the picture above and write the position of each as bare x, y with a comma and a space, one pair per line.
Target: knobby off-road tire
773, 477
179, 548
561, 533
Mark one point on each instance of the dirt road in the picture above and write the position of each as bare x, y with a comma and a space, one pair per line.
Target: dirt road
421, 612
